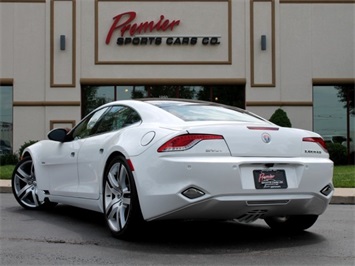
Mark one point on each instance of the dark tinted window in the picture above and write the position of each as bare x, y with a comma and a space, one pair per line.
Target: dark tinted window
86, 127
116, 118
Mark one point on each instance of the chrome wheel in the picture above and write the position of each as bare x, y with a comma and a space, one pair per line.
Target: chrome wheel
117, 197
120, 198
24, 184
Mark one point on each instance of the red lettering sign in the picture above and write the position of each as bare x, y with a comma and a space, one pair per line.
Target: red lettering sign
122, 22
263, 177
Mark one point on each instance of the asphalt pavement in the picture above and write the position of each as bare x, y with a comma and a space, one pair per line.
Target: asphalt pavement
341, 195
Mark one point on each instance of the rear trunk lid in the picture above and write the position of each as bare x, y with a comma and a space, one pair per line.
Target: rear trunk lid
255, 140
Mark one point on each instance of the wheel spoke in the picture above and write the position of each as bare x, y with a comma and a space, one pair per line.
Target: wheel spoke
24, 192
113, 216
122, 177
112, 177
112, 206
123, 218
126, 199
34, 196
22, 175
110, 188
112, 209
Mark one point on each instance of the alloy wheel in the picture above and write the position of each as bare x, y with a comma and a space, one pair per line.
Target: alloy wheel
117, 197
24, 184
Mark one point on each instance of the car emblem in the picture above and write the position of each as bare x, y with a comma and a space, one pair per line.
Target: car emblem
266, 137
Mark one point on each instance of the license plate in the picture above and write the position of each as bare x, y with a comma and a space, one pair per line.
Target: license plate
270, 179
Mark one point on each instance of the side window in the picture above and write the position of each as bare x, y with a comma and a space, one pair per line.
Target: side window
116, 118
85, 128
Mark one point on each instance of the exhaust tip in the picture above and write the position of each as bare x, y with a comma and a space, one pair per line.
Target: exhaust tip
327, 190
192, 193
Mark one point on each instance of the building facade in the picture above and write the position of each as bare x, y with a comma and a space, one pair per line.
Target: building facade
59, 59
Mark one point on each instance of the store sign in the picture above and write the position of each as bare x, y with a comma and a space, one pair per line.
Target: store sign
125, 25
166, 32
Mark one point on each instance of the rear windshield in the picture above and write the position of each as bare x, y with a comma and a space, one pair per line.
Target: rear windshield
205, 112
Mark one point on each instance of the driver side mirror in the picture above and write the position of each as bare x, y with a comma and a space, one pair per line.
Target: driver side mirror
58, 134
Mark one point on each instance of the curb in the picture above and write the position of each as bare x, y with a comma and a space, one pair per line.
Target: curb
341, 195
5, 186
343, 200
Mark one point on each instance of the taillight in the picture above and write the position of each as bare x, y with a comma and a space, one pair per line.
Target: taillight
186, 141
319, 141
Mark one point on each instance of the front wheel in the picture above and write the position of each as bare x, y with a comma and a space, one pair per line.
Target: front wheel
294, 223
120, 201
24, 186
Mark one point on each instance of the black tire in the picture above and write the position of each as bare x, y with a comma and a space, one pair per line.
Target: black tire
294, 223
24, 186
120, 200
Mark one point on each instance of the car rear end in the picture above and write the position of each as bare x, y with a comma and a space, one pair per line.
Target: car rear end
241, 170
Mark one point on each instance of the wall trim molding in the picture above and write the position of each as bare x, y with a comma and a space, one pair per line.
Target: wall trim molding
6, 82
273, 51
279, 103
152, 81
53, 122
333, 81
73, 37
317, 1
228, 61
23, 1
45, 103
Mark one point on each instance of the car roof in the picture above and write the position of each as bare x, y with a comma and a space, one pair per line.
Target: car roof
152, 109
148, 112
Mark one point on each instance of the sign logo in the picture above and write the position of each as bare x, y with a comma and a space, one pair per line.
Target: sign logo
135, 33
122, 22
266, 137
265, 177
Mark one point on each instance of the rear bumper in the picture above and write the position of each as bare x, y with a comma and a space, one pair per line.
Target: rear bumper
228, 189
250, 207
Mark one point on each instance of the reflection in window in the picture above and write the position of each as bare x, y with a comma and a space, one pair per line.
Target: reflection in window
94, 96
85, 128
199, 112
334, 115
6, 128
116, 118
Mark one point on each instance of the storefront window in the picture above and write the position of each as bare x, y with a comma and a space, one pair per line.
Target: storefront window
334, 115
94, 96
6, 127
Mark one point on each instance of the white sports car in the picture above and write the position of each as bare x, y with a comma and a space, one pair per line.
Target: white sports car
155, 159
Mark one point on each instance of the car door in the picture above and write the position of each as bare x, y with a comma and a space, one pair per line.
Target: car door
93, 152
61, 166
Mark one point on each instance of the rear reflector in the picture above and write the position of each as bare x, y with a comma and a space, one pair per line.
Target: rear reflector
186, 141
130, 164
319, 141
